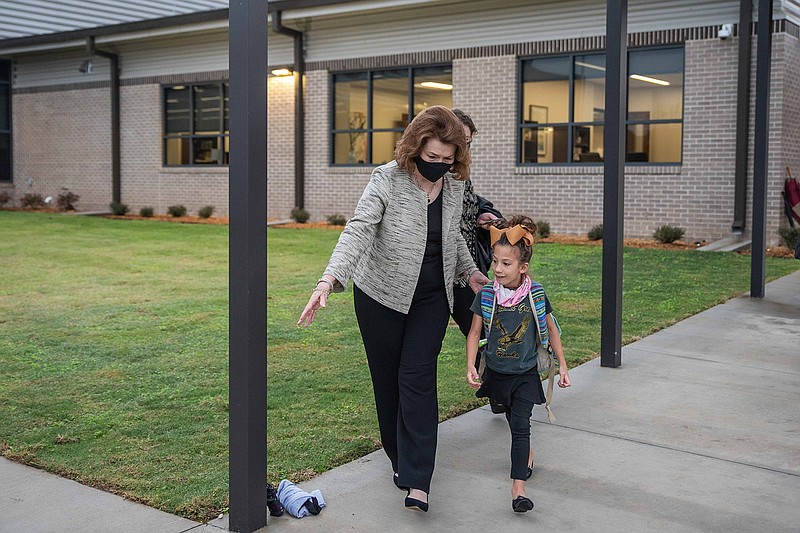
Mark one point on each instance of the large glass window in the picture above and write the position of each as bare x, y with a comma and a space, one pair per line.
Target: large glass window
563, 101
372, 108
5, 121
196, 124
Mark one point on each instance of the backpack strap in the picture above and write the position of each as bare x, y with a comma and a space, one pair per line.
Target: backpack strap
540, 312
488, 303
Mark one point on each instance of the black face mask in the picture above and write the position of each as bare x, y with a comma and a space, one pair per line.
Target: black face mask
431, 171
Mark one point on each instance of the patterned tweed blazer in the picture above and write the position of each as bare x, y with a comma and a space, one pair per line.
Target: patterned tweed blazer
382, 246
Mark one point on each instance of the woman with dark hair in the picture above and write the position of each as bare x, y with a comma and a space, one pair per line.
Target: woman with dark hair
476, 216
403, 249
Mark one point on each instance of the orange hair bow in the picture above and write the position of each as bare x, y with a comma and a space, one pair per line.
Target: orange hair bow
513, 234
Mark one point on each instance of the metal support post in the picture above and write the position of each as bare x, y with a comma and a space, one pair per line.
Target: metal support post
761, 149
614, 180
248, 265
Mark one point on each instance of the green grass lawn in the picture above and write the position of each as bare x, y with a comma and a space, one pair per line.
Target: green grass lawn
113, 348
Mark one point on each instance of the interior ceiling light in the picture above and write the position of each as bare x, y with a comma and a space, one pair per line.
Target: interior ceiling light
281, 72
589, 65
633, 76
436, 85
648, 79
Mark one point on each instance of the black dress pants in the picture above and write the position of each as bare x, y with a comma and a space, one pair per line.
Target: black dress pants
402, 352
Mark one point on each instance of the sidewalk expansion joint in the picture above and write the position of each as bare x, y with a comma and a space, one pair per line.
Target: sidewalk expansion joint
670, 448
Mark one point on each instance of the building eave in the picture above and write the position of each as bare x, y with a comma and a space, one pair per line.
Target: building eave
57, 40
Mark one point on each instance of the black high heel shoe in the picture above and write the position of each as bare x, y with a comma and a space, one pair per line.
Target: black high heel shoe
416, 505
521, 504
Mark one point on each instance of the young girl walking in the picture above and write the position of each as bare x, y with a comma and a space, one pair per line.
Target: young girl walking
521, 321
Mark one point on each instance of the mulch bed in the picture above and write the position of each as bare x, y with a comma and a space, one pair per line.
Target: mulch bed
778, 251
169, 218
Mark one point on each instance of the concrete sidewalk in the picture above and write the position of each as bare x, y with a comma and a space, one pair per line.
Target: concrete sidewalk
698, 430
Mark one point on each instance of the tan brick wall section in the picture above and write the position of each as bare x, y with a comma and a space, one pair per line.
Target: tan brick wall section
63, 140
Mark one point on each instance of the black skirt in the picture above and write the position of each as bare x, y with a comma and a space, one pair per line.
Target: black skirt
501, 388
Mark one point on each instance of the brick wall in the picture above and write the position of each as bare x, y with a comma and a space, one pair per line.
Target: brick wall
280, 147
790, 132
62, 140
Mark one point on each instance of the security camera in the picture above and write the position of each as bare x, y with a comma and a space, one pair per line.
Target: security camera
86, 67
725, 31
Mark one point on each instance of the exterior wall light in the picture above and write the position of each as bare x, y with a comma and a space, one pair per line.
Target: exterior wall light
281, 72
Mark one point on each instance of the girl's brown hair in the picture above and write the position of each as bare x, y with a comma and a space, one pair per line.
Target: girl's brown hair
435, 122
525, 251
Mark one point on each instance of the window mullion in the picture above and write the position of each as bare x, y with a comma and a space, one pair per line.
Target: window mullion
191, 124
221, 139
369, 117
571, 110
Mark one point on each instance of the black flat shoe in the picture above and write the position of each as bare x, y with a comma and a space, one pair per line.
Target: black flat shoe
312, 504
522, 504
416, 505
273, 503
530, 472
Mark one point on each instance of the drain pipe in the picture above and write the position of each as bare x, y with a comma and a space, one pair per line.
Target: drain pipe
115, 146
299, 108
742, 117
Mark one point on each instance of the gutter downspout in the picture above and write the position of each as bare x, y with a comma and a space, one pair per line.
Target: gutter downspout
742, 116
299, 108
115, 138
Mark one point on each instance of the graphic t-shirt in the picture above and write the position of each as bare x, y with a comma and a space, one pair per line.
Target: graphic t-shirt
511, 348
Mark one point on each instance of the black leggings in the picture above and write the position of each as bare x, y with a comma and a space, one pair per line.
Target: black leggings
402, 352
518, 415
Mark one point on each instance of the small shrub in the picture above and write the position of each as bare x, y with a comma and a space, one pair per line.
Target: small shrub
177, 210
118, 208
789, 236
206, 211
596, 233
66, 200
32, 201
668, 234
337, 220
5, 197
300, 215
146, 212
544, 229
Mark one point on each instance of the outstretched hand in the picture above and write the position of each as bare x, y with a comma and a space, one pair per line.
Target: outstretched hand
319, 298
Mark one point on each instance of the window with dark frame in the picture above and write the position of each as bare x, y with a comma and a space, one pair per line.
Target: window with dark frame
562, 108
372, 108
196, 124
5, 122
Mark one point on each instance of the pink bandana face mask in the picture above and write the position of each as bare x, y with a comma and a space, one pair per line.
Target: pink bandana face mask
510, 297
